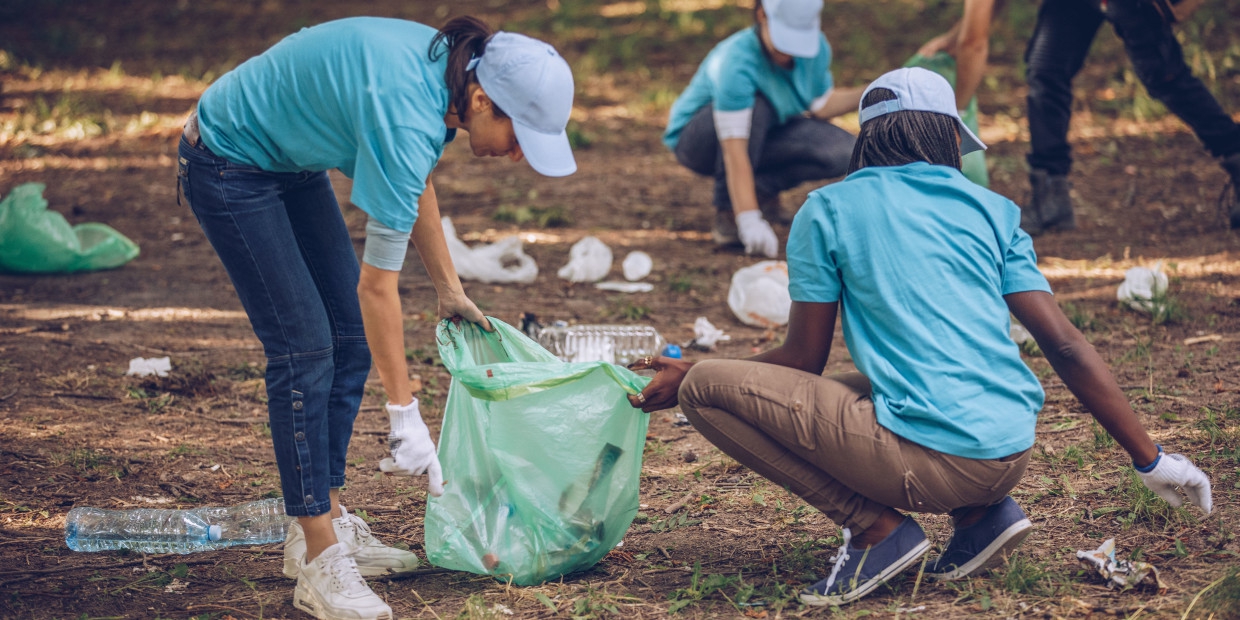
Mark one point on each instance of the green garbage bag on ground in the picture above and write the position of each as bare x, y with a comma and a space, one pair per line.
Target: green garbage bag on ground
36, 240
973, 165
541, 458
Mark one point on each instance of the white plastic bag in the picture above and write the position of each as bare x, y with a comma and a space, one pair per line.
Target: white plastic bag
1141, 286
637, 265
143, 366
625, 287
759, 294
706, 335
502, 261
589, 260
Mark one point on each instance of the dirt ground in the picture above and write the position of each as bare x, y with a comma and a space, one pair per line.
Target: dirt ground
91, 102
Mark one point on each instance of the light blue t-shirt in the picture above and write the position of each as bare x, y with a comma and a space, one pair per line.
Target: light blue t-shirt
358, 94
919, 258
737, 69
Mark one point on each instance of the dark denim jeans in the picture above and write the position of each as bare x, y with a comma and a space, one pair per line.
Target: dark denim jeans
782, 156
1061, 40
284, 243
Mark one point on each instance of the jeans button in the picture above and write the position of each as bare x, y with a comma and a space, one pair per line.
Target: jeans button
309, 499
299, 468
297, 405
300, 436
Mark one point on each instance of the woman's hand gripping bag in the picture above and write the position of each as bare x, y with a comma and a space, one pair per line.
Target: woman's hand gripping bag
541, 458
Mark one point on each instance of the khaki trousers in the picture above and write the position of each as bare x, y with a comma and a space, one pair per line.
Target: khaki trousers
818, 437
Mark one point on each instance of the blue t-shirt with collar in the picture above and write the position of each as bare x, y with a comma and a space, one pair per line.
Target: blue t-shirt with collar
357, 94
919, 258
737, 69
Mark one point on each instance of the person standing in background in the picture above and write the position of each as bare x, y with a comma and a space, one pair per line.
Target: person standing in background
1061, 39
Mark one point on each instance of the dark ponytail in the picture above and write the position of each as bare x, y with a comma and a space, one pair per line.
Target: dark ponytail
904, 137
462, 38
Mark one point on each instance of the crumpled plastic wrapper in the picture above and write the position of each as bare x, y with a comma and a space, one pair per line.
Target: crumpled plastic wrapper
1123, 573
143, 366
706, 336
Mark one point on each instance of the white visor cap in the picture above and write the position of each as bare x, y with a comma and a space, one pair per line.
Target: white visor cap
533, 85
921, 90
796, 26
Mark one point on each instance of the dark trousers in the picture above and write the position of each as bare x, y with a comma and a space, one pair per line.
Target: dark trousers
1061, 39
782, 156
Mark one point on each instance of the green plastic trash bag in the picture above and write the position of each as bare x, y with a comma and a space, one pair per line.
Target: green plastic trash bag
541, 458
972, 165
36, 240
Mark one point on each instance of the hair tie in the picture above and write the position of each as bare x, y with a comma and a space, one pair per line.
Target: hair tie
473, 63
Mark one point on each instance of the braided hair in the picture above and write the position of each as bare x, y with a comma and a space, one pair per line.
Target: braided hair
904, 137
462, 39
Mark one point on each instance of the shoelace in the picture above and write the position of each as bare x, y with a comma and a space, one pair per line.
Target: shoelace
344, 575
361, 531
839, 558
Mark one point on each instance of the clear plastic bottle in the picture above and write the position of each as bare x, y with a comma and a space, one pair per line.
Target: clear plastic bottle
253, 523
148, 530
151, 530
618, 344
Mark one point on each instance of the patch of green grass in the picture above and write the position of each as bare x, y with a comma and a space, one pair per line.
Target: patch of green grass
542, 217
1141, 505
1222, 598
631, 311
681, 283
701, 587
1079, 318
1024, 576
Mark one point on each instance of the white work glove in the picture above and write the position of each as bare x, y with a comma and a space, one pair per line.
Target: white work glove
413, 452
756, 234
1175, 470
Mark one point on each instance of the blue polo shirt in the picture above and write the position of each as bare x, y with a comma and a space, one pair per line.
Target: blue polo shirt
737, 69
357, 94
920, 258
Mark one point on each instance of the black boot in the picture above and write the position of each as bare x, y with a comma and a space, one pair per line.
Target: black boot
1231, 193
1050, 207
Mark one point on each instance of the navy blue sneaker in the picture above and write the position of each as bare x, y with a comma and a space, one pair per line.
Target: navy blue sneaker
984, 544
858, 571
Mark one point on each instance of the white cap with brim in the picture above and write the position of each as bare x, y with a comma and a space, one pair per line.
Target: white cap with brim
533, 85
920, 90
796, 26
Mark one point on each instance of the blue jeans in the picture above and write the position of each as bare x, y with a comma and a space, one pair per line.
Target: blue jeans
1061, 39
285, 246
782, 156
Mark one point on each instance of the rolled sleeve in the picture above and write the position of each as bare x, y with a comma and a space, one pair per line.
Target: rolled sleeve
385, 247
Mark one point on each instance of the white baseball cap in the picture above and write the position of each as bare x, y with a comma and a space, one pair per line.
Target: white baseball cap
532, 83
921, 90
796, 26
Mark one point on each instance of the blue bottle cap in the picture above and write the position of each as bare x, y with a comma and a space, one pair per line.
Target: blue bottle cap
214, 532
672, 351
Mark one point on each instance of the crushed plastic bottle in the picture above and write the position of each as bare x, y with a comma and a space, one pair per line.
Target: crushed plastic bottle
147, 530
253, 523
617, 344
159, 530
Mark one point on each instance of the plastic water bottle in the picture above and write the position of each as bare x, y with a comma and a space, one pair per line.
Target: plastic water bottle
151, 530
253, 523
148, 530
618, 344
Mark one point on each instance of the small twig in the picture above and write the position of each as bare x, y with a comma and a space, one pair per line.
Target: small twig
680, 504
80, 395
8, 396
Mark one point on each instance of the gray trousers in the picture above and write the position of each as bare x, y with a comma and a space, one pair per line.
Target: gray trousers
782, 156
818, 437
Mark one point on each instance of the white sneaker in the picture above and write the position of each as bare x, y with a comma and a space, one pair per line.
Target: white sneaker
330, 588
373, 558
